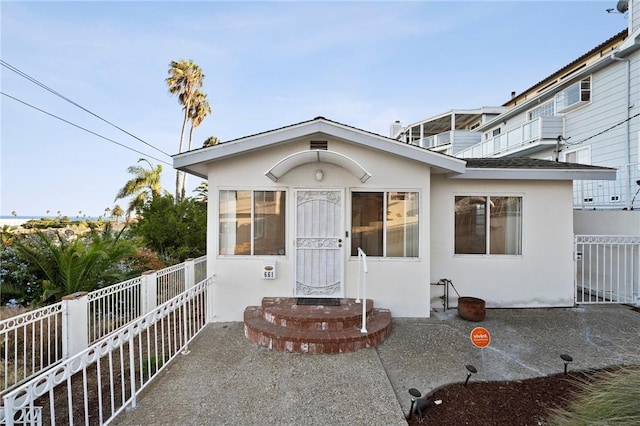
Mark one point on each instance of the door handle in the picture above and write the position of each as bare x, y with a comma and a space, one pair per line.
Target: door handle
340, 240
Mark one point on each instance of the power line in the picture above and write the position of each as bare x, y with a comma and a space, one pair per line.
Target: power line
603, 131
83, 128
49, 89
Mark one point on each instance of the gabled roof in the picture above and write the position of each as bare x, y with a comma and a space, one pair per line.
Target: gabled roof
195, 162
532, 168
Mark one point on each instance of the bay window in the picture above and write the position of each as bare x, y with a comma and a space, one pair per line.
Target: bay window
385, 224
488, 225
252, 222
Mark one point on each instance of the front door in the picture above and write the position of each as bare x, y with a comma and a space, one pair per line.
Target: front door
319, 243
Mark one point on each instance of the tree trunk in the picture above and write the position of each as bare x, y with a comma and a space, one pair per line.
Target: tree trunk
179, 174
184, 175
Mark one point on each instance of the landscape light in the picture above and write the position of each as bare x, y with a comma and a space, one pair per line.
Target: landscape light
567, 359
470, 370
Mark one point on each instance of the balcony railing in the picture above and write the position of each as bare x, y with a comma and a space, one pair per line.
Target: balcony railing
459, 137
541, 131
622, 193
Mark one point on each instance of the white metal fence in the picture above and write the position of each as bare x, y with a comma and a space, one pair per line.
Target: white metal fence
30, 343
37, 340
607, 269
95, 385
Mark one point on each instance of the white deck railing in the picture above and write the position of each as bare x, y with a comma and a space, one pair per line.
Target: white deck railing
362, 283
37, 340
607, 269
95, 385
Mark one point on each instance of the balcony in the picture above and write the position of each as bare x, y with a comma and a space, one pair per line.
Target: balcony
532, 136
442, 141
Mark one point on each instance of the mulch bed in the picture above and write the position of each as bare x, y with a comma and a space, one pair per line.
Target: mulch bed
515, 403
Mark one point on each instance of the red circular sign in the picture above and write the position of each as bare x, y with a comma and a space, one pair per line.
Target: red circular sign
480, 337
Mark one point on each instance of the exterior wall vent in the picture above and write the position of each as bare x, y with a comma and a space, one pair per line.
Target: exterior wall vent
323, 145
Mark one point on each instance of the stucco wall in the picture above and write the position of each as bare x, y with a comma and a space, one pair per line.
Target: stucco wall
399, 285
542, 276
606, 222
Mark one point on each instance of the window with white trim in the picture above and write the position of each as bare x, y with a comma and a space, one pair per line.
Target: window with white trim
385, 224
488, 225
574, 95
577, 155
546, 109
252, 222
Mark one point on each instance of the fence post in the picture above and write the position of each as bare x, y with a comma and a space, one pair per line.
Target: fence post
209, 300
149, 292
75, 323
189, 274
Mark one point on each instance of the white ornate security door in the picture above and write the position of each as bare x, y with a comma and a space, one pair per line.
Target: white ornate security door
319, 243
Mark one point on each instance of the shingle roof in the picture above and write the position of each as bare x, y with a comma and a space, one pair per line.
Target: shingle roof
526, 163
622, 34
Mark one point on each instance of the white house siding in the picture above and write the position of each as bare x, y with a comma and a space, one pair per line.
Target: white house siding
608, 107
634, 15
397, 284
541, 277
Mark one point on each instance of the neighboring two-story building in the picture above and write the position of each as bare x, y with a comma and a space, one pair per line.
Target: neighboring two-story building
587, 112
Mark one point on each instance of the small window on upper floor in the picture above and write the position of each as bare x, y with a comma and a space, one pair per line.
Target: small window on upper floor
546, 109
493, 133
579, 155
575, 95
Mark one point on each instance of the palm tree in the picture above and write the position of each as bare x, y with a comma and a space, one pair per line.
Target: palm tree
83, 264
202, 192
185, 78
210, 141
143, 186
117, 212
199, 110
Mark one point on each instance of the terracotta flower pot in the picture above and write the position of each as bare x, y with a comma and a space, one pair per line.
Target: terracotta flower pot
471, 308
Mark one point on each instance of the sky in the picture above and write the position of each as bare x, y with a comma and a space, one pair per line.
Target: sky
267, 64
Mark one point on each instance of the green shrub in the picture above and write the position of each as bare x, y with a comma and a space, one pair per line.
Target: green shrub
612, 399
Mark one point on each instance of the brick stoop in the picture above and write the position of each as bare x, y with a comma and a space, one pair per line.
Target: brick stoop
283, 325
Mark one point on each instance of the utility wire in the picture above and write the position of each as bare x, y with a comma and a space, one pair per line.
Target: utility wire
603, 131
49, 89
85, 129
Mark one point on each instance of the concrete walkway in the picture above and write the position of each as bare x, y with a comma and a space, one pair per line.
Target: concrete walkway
226, 380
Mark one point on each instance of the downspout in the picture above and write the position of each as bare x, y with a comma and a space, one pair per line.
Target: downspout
627, 142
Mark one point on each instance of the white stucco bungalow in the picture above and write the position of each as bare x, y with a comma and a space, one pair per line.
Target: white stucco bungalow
289, 207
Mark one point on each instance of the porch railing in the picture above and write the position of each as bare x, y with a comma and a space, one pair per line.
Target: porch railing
607, 269
95, 385
38, 340
362, 284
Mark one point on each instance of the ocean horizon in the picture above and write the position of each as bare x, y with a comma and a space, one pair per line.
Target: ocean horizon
21, 217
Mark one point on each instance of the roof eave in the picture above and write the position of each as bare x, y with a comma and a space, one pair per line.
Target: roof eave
190, 161
537, 174
552, 90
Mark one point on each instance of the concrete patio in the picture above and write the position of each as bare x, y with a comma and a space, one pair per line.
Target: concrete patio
227, 380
